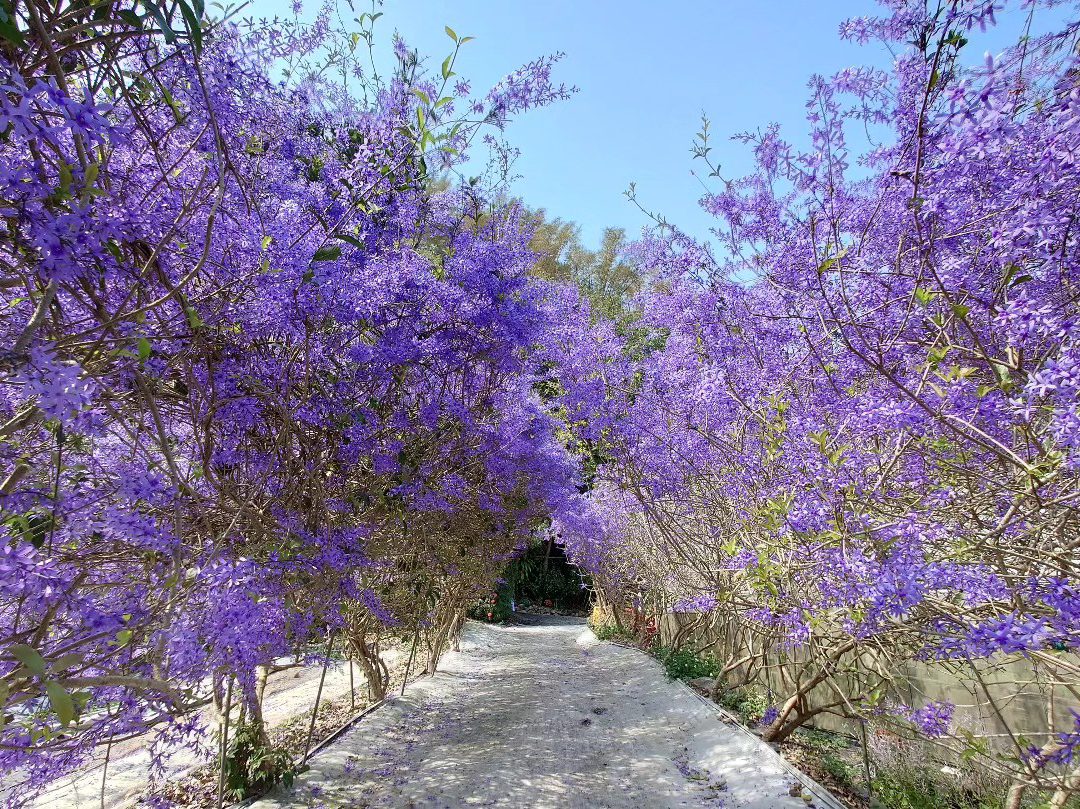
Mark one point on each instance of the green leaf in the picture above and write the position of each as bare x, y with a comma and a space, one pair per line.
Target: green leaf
91, 175
355, 242
66, 661
327, 253
61, 702
956, 40
145, 349
178, 115
8, 28
831, 262
446, 73
1003, 375
29, 657
65, 176
450, 33
191, 17
152, 10
131, 18
123, 637
193, 319
923, 295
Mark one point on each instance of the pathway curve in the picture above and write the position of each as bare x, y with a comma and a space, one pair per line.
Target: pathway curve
543, 716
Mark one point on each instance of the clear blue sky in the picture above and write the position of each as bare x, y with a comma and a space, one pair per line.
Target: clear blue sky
646, 71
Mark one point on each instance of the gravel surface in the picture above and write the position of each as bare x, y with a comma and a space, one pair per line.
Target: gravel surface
542, 715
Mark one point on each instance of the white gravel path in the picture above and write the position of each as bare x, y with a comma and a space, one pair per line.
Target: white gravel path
543, 716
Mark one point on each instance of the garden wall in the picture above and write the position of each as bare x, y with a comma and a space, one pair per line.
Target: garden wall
1021, 699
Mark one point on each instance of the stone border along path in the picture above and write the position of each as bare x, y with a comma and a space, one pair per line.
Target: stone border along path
545, 715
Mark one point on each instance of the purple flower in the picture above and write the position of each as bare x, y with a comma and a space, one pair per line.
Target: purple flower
933, 720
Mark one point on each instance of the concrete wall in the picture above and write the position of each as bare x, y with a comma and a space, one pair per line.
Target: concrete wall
1016, 690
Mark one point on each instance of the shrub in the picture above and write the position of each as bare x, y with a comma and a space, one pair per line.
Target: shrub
493, 608
252, 767
684, 664
747, 702
822, 740
839, 769
609, 632
918, 788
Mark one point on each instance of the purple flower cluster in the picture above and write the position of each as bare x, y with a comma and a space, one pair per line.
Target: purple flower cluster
934, 719
265, 384
703, 602
1061, 749
855, 414
265, 387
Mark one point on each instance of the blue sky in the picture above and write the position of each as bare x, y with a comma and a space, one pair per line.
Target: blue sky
646, 72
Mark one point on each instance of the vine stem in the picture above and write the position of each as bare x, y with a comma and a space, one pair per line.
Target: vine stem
105, 768
318, 697
224, 745
408, 665
352, 687
866, 764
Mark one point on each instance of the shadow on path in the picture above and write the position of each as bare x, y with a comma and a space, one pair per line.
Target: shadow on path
542, 715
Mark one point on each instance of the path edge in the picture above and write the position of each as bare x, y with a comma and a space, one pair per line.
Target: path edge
821, 795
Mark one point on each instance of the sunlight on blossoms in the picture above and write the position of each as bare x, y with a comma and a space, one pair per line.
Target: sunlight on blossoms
316, 406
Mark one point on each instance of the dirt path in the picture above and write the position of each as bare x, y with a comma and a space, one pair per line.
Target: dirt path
543, 716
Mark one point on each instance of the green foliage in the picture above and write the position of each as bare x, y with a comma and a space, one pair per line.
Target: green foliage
603, 277
543, 573
842, 771
822, 741
684, 664
520, 572
833, 754
911, 788
747, 702
606, 629
609, 632
252, 767
560, 585
497, 605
